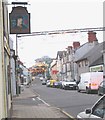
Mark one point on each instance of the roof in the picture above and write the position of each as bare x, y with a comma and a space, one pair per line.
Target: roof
82, 50
53, 63
94, 55
60, 54
99, 61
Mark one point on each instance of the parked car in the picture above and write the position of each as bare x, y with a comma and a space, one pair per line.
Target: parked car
52, 83
90, 81
69, 85
101, 89
57, 84
48, 83
44, 82
97, 111
41, 78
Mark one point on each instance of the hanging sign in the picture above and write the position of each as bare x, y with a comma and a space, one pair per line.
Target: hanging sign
19, 20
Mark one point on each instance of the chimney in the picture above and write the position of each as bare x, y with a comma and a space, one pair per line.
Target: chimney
91, 36
69, 48
76, 45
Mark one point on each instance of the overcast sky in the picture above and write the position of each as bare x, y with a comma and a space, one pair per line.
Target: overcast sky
58, 15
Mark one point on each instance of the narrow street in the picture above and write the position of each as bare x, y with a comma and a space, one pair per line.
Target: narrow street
50, 52
70, 101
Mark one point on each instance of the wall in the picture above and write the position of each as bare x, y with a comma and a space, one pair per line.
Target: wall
3, 109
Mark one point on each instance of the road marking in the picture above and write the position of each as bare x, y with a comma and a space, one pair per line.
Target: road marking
38, 98
33, 99
56, 107
67, 114
43, 101
70, 116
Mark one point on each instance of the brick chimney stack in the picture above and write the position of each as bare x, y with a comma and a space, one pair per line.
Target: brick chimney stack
69, 47
91, 36
76, 45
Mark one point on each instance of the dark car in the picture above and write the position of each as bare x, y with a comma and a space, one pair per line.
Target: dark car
57, 84
101, 89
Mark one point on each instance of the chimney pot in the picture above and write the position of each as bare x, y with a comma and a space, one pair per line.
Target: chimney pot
76, 45
92, 36
69, 47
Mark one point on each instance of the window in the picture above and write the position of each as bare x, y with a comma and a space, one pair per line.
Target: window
79, 65
86, 63
99, 108
101, 84
82, 63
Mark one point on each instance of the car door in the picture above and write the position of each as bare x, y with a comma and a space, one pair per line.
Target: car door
80, 84
83, 83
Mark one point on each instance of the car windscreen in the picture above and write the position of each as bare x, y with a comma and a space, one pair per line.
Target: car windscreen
99, 108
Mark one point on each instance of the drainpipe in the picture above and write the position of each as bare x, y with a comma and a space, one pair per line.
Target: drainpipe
17, 81
3, 108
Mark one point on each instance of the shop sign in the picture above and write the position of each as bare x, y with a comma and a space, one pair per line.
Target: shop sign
19, 20
96, 68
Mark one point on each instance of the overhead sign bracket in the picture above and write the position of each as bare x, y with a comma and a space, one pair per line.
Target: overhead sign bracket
19, 19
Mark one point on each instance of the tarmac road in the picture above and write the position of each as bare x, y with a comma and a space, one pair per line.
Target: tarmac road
69, 101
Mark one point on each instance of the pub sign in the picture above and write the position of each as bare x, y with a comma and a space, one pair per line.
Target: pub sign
19, 20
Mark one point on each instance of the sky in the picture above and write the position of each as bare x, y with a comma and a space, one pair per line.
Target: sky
48, 15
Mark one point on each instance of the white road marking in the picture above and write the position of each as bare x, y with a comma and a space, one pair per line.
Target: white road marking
43, 101
33, 99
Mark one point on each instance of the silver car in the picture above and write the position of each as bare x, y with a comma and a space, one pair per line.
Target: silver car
97, 111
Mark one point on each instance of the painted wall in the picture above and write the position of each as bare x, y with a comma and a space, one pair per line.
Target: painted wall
3, 110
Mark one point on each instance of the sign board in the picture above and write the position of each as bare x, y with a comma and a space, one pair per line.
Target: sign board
19, 20
96, 68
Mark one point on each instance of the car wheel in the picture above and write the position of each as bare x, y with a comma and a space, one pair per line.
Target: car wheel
74, 88
87, 91
64, 88
99, 93
78, 89
60, 86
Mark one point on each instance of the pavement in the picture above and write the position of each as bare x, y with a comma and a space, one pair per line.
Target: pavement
29, 105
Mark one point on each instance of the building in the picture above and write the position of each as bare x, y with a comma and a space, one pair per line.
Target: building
71, 69
81, 65
59, 65
78, 58
53, 70
5, 79
24, 75
13, 68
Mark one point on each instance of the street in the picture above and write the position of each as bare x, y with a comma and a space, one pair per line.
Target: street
69, 101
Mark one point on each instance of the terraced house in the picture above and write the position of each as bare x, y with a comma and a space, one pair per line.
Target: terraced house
81, 58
